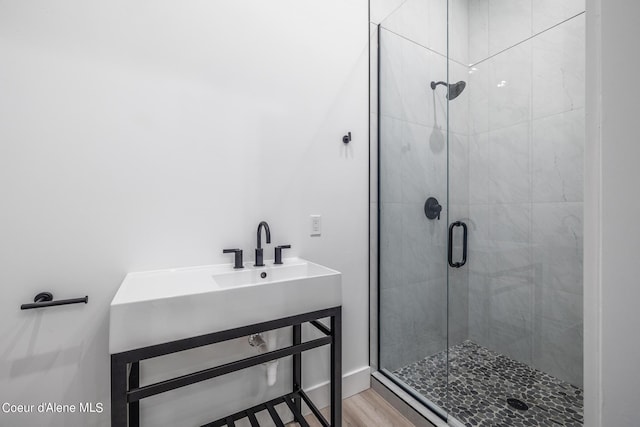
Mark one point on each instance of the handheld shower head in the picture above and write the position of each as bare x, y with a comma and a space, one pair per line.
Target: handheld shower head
455, 89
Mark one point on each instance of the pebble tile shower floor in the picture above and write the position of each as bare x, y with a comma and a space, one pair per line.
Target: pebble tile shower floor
481, 381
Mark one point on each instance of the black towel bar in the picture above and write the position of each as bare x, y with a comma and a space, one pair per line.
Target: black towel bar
45, 299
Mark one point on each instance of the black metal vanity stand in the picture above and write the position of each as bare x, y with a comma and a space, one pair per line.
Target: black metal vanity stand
126, 391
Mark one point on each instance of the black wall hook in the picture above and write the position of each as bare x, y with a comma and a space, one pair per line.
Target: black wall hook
347, 138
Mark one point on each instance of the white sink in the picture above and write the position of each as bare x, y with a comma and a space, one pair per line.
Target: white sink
155, 307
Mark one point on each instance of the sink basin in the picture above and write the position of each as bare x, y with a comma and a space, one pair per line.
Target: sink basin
159, 306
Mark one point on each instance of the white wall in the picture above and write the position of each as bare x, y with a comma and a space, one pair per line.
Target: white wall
612, 349
139, 135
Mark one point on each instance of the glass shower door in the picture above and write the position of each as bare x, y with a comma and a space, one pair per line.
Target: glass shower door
414, 208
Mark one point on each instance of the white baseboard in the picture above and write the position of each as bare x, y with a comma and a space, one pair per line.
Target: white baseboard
353, 382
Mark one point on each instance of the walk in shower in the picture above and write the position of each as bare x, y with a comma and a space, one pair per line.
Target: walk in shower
477, 179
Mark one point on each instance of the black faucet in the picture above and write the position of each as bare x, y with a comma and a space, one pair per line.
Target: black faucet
259, 257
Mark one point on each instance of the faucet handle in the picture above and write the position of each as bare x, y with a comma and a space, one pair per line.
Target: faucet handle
237, 258
278, 257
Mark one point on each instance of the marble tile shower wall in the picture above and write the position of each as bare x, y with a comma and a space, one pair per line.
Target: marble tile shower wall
526, 142
413, 166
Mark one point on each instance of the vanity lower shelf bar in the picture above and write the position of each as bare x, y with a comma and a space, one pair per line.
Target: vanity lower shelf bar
150, 390
314, 409
269, 407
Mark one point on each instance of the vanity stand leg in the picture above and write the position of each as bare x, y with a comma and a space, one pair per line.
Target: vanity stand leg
134, 407
118, 392
336, 368
297, 366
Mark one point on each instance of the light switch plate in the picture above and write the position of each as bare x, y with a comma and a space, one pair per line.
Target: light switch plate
316, 225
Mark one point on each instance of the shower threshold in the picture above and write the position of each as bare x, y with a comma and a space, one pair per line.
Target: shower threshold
480, 382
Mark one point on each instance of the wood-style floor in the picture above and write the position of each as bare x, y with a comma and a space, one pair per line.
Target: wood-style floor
367, 409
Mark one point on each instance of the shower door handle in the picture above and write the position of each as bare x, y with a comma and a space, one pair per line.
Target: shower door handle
464, 244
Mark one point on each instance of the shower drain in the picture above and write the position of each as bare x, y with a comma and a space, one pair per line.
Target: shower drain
517, 404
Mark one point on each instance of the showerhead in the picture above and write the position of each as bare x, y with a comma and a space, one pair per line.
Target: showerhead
455, 89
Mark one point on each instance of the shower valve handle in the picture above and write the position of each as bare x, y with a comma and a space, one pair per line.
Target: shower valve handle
432, 208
